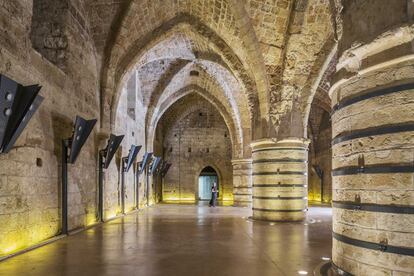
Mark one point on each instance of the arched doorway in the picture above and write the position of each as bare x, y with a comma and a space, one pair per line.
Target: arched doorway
205, 181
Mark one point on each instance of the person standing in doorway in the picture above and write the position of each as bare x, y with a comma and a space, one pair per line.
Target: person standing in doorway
213, 195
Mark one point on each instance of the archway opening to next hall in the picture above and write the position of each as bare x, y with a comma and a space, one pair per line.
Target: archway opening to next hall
207, 178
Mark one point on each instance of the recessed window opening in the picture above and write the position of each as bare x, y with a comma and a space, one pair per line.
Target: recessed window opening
39, 162
194, 73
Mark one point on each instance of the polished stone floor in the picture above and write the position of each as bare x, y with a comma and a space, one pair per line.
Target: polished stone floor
170, 239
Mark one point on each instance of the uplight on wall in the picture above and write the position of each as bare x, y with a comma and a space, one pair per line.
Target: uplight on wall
164, 169
126, 165
71, 148
18, 103
143, 168
145, 161
154, 165
105, 157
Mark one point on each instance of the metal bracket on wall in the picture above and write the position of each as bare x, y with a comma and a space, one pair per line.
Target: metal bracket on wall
124, 162
71, 148
17, 106
64, 188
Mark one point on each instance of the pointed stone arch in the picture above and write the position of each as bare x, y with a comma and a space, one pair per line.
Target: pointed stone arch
236, 132
117, 69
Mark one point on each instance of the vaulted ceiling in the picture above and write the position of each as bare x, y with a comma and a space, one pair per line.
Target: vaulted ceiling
258, 58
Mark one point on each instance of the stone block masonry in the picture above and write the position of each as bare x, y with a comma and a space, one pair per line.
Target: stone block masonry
242, 182
373, 173
280, 179
30, 173
193, 140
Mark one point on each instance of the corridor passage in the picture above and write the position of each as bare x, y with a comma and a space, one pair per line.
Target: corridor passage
172, 239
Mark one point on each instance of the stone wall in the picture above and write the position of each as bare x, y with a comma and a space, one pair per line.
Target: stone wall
242, 182
358, 15
320, 155
132, 128
30, 173
196, 139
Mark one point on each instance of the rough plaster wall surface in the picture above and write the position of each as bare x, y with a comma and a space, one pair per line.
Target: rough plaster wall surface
195, 141
29, 208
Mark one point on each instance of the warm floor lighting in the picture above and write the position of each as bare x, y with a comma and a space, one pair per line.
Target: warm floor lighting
303, 272
111, 214
11, 243
90, 219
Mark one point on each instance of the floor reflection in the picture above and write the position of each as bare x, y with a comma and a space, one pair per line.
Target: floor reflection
172, 239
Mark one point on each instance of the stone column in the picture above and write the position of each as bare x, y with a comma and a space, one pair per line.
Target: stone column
373, 188
280, 179
242, 182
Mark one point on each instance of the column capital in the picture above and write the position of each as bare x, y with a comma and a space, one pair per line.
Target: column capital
271, 143
241, 161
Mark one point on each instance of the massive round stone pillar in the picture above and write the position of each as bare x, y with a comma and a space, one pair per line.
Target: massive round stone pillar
279, 170
373, 154
242, 182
